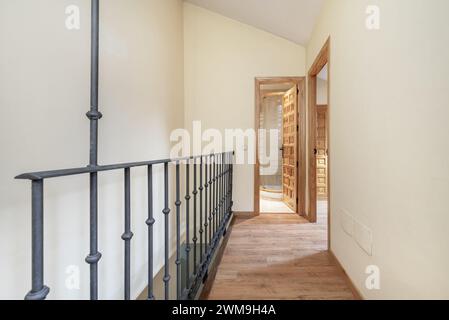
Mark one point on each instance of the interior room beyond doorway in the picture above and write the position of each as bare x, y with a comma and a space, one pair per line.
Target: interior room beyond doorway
277, 187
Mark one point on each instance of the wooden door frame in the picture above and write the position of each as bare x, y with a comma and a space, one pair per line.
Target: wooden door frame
321, 60
301, 148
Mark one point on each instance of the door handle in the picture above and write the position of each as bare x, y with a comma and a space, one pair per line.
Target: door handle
282, 151
315, 151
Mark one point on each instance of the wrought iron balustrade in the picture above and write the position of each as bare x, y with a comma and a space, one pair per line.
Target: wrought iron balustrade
212, 211
211, 196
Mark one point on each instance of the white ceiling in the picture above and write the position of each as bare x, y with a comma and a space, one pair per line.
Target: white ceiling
293, 20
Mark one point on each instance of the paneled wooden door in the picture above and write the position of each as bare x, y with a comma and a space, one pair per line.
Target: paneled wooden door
289, 148
321, 153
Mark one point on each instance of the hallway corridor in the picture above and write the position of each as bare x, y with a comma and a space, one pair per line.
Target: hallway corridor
279, 257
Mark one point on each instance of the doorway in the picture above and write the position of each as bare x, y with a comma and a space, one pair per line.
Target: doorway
319, 155
280, 175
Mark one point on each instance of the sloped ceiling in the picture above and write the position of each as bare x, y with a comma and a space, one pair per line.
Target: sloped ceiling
293, 20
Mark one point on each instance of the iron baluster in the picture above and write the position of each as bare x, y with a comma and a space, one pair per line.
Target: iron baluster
211, 193
187, 248
206, 187
127, 235
166, 213
150, 223
195, 193
178, 235
38, 290
201, 210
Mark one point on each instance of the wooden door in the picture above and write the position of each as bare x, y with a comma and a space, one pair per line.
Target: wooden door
289, 149
321, 153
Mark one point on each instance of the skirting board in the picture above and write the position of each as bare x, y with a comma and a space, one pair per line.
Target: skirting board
244, 215
355, 291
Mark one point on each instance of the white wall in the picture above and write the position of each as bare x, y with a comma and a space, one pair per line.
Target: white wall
321, 91
389, 141
44, 95
222, 59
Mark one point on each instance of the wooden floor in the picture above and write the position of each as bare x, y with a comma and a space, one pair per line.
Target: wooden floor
279, 256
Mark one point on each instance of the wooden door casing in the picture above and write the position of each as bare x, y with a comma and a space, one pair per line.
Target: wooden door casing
289, 138
320, 61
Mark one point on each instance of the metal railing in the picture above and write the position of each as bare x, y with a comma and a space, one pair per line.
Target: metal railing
212, 211
212, 207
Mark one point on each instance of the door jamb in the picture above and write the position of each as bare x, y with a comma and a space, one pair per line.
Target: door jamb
321, 60
301, 148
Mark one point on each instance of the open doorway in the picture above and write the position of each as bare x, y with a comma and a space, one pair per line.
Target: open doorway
279, 182
321, 150
319, 105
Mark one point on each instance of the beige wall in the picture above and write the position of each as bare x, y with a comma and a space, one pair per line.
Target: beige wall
389, 141
222, 59
389, 136
44, 95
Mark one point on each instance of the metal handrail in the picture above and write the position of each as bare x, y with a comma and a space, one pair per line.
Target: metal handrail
99, 168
